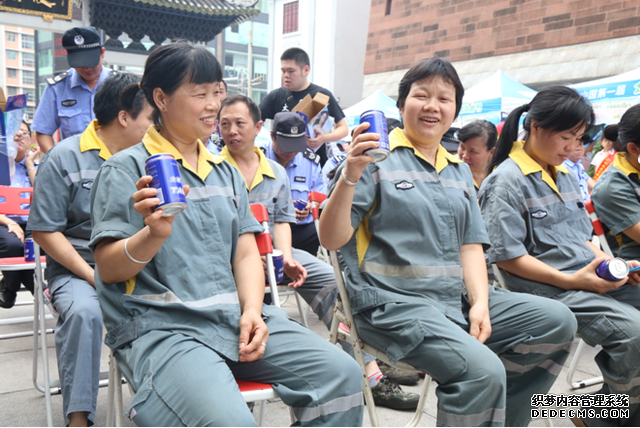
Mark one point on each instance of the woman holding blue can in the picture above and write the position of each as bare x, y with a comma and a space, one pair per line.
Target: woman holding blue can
412, 237
182, 295
540, 235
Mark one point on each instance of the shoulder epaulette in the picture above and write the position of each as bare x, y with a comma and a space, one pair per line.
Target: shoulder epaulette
264, 149
58, 78
309, 154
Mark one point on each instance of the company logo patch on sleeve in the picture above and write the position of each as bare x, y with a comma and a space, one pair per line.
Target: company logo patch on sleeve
404, 185
540, 214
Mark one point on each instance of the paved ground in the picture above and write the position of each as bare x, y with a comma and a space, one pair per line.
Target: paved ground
22, 405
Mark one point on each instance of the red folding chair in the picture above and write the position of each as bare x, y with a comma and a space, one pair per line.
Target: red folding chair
11, 201
251, 392
316, 199
265, 246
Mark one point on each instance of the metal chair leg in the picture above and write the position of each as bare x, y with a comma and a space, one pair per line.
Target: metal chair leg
574, 365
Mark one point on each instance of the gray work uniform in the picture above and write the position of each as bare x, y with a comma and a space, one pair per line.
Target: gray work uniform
405, 282
174, 327
61, 204
527, 212
616, 199
270, 188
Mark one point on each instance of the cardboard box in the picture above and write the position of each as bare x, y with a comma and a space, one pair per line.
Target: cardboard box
310, 108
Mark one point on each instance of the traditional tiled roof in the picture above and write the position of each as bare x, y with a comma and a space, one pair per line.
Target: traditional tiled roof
207, 7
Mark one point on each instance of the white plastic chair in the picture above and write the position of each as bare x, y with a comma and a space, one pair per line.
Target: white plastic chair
265, 246
343, 327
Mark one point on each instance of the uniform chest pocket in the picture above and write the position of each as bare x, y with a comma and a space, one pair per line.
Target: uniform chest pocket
70, 120
544, 225
299, 190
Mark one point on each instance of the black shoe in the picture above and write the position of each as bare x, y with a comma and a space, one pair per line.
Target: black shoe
7, 297
399, 376
387, 393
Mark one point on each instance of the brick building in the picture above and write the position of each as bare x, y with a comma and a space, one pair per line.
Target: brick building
536, 42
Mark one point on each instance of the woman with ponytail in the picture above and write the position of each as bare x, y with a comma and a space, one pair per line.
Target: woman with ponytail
182, 295
540, 234
616, 196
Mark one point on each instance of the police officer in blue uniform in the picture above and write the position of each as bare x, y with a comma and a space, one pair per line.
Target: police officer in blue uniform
68, 100
305, 175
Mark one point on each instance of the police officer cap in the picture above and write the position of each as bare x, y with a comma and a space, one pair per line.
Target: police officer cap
83, 46
289, 129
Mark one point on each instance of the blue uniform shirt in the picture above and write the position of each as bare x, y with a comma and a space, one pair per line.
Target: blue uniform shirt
305, 175
578, 170
68, 105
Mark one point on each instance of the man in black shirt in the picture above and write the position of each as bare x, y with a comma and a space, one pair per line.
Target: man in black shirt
295, 68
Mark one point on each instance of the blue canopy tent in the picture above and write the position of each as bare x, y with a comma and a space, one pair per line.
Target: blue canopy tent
611, 96
375, 101
493, 98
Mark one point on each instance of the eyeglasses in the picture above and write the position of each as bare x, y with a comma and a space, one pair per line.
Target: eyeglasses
25, 133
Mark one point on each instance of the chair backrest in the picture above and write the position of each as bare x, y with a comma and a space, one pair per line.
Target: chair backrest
265, 245
11, 200
316, 199
598, 228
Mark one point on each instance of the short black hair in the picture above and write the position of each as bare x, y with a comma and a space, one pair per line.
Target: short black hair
107, 101
222, 82
170, 66
28, 127
628, 129
428, 68
298, 55
479, 128
555, 109
254, 110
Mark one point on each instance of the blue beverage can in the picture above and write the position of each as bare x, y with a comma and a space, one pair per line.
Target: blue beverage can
278, 265
164, 170
613, 269
300, 204
377, 125
29, 251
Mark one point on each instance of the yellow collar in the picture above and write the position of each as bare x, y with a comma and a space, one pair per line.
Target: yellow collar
397, 138
529, 166
263, 168
156, 144
620, 162
89, 141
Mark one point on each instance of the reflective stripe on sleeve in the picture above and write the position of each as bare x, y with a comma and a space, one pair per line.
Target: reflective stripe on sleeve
622, 387
492, 415
541, 348
411, 271
208, 191
257, 197
171, 298
424, 176
571, 196
548, 365
85, 174
337, 405
544, 201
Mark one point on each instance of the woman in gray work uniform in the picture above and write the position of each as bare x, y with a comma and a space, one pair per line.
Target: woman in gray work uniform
616, 196
540, 235
412, 237
182, 295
